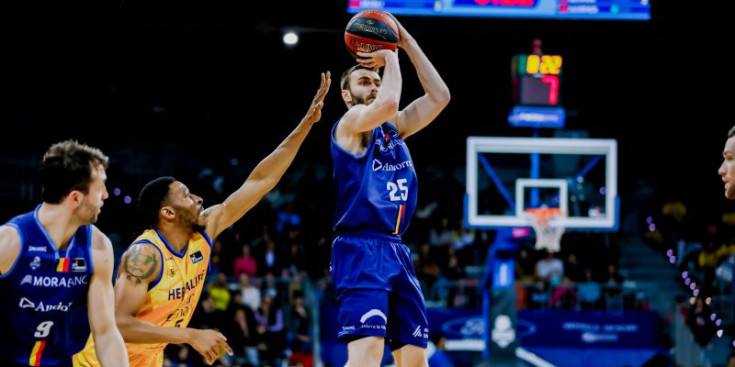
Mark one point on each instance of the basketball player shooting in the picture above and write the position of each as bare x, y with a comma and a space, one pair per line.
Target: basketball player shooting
376, 198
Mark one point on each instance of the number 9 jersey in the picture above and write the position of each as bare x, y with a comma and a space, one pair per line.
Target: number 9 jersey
378, 189
43, 308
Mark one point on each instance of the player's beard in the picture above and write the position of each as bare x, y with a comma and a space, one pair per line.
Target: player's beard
356, 100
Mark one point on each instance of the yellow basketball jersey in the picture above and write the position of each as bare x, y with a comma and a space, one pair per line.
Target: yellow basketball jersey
171, 298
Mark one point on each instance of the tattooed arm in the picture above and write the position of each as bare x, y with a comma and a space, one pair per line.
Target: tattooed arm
141, 266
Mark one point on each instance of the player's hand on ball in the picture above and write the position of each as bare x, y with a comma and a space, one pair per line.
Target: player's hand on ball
403, 35
375, 59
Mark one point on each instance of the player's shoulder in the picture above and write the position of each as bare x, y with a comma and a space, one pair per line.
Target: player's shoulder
9, 232
144, 248
141, 262
100, 241
9, 237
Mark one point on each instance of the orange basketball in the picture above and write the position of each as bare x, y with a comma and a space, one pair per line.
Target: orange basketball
371, 30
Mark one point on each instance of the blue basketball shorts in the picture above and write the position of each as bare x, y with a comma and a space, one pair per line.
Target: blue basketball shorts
377, 289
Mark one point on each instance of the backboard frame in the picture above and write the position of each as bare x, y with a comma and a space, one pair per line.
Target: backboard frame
607, 221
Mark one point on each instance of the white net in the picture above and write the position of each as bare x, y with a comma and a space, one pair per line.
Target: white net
547, 228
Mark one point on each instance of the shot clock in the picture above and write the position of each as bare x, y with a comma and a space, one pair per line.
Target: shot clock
536, 80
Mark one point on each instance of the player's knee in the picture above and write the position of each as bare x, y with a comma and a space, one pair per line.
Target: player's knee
365, 352
410, 356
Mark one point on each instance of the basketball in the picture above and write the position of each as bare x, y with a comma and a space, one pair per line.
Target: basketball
371, 30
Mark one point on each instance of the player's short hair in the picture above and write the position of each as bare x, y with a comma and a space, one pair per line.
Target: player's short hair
151, 198
344, 80
67, 166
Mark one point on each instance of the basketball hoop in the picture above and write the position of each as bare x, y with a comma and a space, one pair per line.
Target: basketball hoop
548, 230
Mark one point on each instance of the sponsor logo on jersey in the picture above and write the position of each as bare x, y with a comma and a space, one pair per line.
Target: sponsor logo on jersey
36, 263
196, 257
419, 334
388, 144
371, 313
37, 248
78, 265
379, 166
55, 282
41, 307
191, 284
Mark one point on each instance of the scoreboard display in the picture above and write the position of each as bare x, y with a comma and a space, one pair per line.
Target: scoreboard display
550, 9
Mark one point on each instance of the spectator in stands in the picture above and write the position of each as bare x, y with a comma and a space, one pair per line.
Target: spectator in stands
215, 260
287, 218
300, 321
564, 295
525, 266
453, 270
427, 268
294, 260
550, 269
220, 293
269, 287
731, 360
182, 357
573, 269
207, 316
271, 328
612, 276
245, 263
612, 288
441, 236
463, 241
269, 260
250, 294
435, 351
241, 331
589, 292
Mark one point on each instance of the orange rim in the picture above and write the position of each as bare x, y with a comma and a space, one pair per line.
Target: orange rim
543, 214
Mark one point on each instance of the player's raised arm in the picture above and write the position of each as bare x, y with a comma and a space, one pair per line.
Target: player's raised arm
422, 111
367, 107
268, 172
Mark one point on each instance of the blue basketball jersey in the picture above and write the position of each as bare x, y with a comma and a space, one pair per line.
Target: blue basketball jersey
377, 190
43, 308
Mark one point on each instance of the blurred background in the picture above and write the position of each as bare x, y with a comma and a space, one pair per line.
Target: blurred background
203, 90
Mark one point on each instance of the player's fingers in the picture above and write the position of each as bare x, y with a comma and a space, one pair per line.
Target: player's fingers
207, 357
227, 348
213, 354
